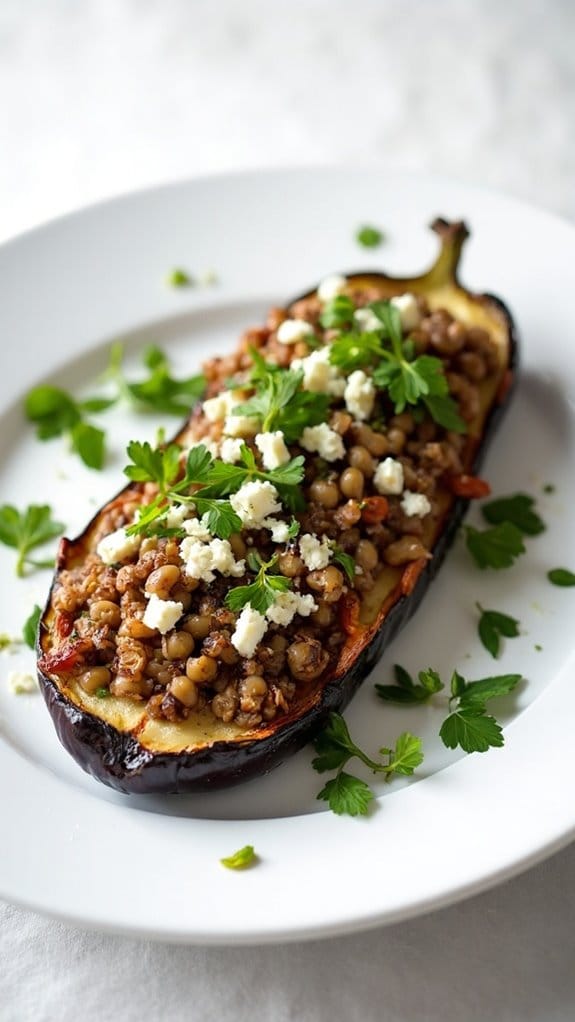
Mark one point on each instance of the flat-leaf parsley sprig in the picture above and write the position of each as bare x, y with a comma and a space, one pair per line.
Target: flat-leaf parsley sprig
159, 391
212, 481
262, 593
56, 413
25, 530
492, 625
468, 723
407, 379
279, 401
349, 795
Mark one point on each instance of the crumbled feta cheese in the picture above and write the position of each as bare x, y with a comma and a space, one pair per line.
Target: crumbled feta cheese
162, 614
203, 559
117, 546
415, 504
287, 605
279, 530
319, 375
21, 683
231, 450
241, 426
250, 629
366, 320
254, 502
331, 287
216, 408
409, 313
196, 528
359, 395
388, 477
293, 330
273, 449
315, 553
176, 515
324, 440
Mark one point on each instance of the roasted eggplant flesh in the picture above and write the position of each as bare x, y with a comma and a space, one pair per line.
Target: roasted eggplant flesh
194, 637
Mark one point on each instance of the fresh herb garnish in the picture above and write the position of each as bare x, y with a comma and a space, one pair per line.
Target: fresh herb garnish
159, 391
549, 488
561, 577
27, 529
352, 351
346, 561
244, 857
344, 793
369, 237
56, 413
406, 691
468, 724
518, 510
337, 312
280, 403
262, 593
215, 478
31, 627
102, 693
492, 625
497, 547
178, 278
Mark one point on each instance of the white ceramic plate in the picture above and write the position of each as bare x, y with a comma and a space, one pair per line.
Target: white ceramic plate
150, 866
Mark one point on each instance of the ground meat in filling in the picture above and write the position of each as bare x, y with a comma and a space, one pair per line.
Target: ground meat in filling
372, 503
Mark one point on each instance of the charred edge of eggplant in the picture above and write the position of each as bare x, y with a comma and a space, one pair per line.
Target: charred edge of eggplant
121, 762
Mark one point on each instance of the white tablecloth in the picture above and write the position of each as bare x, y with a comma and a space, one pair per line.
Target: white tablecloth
101, 96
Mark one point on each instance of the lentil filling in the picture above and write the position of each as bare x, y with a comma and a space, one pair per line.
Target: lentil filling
147, 618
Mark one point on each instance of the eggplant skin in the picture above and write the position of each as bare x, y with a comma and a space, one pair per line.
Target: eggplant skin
120, 761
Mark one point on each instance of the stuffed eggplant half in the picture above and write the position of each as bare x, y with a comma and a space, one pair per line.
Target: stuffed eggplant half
243, 584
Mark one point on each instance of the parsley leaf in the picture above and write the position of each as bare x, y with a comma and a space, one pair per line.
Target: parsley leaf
492, 625
481, 691
221, 519
347, 795
518, 510
280, 403
30, 628
346, 561
472, 729
369, 237
56, 413
245, 856
157, 465
27, 529
335, 747
497, 547
406, 691
261, 594
355, 350
178, 278
160, 391
561, 577
337, 312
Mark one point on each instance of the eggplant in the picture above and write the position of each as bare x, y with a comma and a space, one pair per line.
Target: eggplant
117, 742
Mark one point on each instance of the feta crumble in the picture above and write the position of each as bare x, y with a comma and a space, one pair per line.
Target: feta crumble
176, 515
254, 502
212, 446
197, 529
415, 504
359, 395
273, 449
216, 408
388, 477
202, 559
231, 450
162, 614
324, 440
250, 629
331, 287
21, 683
241, 426
279, 530
287, 605
293, 330
409, 313
315, 553
319, 375
366, 320
117, 546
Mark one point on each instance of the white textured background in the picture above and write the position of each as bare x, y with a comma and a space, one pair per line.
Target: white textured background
101, 96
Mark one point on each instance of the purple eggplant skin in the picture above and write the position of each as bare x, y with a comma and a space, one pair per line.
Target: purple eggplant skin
119, 760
